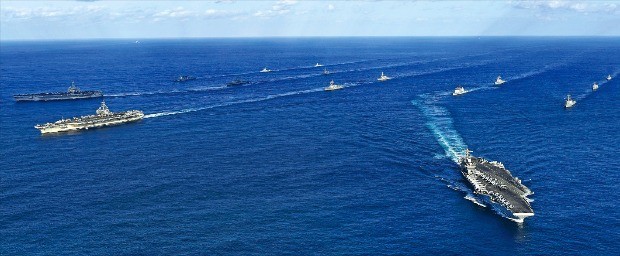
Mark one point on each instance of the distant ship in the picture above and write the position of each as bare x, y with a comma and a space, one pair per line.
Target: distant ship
499, 80
594, 86
325, 71
333, 86
459, 90
383, 77
318, 65
237, 82
72, 93
608, 77
185, 78
104, 117
493, 180
265, 70
569, 102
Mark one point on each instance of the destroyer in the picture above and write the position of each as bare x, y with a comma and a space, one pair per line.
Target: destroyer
104, 117
185, 78
493, 180
569, 103
333, 86
383, 77
73, 93
499, 80
458, 91
237, 82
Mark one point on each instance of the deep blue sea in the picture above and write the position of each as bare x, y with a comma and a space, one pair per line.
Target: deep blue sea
279, 166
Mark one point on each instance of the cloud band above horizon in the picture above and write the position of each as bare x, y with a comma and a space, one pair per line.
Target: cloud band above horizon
40, 20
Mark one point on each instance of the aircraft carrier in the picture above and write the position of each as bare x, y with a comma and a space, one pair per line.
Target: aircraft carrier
72, 93
493, 180
104, 117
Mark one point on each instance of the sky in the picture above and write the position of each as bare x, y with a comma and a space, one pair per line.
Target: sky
85, 19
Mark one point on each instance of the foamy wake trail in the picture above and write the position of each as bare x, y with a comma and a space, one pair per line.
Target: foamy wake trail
207, 88
126, 94
469, 195
437, 70
481, 88
535, 72
490, 86
479, 200
441, 125
231, 103
601, 83
282, 69
197, 89
474, 199
502, 212
233, 74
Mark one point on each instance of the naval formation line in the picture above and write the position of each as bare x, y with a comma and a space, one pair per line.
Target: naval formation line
487, 178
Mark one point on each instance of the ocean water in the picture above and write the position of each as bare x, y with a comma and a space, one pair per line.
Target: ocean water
279, 166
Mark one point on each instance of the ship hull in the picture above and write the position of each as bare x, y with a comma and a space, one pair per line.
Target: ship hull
57, 96
332, 89
457, 93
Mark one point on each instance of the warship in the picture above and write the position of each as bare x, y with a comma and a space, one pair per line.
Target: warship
493, 180
103, 117
237, 82
73, 93
458, 91
383, 77
185, 78
499, 80
333, 86
570, 102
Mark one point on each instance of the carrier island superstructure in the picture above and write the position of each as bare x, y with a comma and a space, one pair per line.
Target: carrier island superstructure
493, 180
103, 117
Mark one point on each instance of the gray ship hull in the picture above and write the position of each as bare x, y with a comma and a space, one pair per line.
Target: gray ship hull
58, 96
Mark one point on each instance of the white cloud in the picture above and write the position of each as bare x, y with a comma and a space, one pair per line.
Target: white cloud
281, 7
330, 7
216, 14
13, 13
95, 13
565, 5
178, 12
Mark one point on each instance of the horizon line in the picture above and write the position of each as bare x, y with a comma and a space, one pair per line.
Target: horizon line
271, 37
